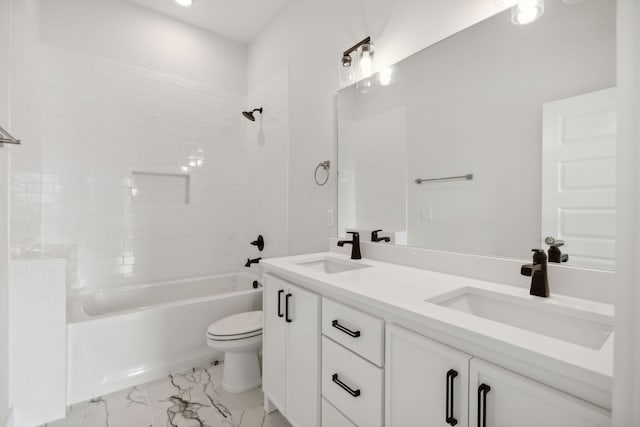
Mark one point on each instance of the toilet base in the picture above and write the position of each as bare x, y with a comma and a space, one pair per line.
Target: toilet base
241, 372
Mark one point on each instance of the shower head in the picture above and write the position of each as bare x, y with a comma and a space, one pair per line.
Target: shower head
249, 114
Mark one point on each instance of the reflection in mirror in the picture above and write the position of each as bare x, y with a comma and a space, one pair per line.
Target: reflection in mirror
523, 118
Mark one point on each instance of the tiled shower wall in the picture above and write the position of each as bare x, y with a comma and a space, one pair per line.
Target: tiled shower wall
73, 191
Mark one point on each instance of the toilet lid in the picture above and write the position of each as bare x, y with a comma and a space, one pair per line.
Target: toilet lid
238, 324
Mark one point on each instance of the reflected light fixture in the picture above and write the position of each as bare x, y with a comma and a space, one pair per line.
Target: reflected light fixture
527, 11
365, 50
184, 3
385, 76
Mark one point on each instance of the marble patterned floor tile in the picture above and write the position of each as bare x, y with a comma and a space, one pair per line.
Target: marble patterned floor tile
186, 399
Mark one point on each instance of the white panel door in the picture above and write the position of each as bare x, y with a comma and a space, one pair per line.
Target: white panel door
302, 313
274, 360
501, 398
579, 176
420, 373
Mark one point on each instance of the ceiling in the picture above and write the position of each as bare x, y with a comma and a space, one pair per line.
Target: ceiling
238, 20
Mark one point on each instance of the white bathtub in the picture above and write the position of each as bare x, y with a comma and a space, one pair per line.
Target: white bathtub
124, 336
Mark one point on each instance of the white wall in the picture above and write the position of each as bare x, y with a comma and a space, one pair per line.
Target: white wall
310, 36
137, 92
626, 393
4, 211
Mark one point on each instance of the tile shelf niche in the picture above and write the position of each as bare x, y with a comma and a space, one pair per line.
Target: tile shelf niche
160, 187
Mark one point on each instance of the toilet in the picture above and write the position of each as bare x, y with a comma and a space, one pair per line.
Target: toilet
239, 337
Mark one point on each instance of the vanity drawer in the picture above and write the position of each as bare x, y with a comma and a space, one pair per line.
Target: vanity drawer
331, 417
360, 332
352, 385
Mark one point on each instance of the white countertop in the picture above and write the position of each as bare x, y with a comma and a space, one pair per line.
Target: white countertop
402, 291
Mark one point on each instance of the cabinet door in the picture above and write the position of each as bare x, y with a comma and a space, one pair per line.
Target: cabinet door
303, 358
426, 382
274, 359
513, 400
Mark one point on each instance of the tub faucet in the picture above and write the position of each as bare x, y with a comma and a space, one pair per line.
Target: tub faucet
355, 244
252, 261
538, 273
375, 238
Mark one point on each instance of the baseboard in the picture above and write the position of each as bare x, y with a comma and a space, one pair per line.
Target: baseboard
9, 421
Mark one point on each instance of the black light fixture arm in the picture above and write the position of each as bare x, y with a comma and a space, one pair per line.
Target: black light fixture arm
346, 56
356, 46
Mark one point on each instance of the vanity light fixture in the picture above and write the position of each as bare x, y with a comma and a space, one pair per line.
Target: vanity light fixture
364, 51
184, 3
527, 11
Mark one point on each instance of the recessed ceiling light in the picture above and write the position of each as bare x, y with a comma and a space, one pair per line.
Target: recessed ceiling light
185, 3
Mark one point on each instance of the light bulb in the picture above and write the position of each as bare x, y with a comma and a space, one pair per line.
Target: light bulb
366, 60
365, 64
185, 3
527, 11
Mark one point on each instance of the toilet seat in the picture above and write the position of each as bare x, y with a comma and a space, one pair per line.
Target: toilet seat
236, 327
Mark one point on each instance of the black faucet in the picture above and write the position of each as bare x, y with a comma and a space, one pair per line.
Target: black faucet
538, 273
375, 238
355, 249
252, 261
555, 254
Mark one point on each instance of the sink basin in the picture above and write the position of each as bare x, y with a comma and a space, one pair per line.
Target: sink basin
332, 265
573, 325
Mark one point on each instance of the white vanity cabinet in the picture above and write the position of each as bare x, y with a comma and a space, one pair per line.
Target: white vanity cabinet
426, 382
328, 364
501, 398
291, 351
430, 384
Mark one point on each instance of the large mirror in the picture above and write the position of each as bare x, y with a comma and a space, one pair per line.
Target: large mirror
490, 141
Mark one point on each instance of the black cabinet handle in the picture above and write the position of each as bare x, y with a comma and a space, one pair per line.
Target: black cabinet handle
449, 418
280, 292
482, 409
338, 326
286, 308
352, 392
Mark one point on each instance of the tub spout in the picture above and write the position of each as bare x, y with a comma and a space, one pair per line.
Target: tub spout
252, 261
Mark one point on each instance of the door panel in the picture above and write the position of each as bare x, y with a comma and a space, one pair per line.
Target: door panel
416, 381
303, 358
514, 400
579, 176
274, 360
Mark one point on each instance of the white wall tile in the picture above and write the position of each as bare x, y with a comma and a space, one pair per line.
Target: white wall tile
267, 163
103, 120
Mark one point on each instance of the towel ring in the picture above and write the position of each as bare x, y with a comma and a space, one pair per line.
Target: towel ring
326, 165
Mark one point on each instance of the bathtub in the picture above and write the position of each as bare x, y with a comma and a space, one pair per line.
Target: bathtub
124, 336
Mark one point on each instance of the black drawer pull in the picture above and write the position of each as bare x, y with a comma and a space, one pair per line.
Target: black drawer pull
280, 292
482, 409
352, 392
286, 308
449, 418
338, 326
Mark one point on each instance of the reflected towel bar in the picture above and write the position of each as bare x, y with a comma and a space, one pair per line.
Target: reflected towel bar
467, 177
